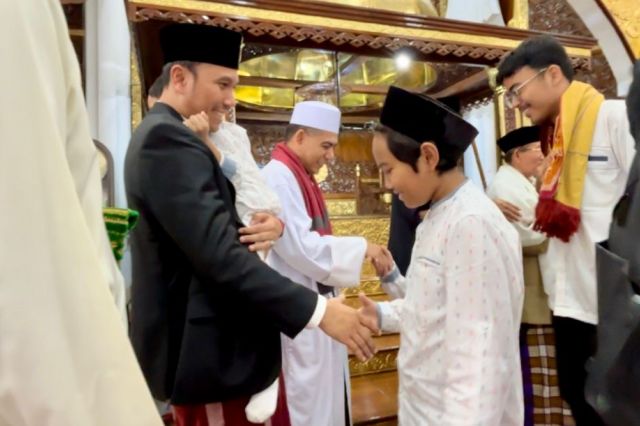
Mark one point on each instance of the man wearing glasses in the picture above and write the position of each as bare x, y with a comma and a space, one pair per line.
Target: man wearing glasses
589, 151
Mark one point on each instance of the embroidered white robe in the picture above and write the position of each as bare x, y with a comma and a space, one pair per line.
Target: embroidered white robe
458, 311
314, 366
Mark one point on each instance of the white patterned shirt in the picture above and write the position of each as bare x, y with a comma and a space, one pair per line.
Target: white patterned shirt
458, 312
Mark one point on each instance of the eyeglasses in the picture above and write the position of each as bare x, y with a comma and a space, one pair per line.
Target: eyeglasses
514, 93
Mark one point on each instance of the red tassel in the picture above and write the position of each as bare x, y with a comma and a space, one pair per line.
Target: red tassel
556, 219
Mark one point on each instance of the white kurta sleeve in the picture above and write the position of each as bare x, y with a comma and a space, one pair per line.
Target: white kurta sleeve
330, 260
389, 314
517, 191
64, 357
394, 283
478, 314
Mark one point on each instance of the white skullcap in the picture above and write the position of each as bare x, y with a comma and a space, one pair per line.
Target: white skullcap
317, 115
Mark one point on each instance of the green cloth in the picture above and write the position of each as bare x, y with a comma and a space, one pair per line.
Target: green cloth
119, 222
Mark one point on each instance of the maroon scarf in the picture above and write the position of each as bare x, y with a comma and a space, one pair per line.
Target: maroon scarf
313, 200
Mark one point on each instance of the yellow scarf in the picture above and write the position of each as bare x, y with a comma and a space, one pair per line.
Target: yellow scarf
558, 210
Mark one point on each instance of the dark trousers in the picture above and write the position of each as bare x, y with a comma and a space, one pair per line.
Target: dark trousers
575, 344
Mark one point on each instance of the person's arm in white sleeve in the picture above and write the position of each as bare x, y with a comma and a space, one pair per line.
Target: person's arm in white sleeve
328, 259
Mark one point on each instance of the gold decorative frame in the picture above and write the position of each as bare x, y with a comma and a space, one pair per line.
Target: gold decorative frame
344, 26
299, 27
627, 17
385, 360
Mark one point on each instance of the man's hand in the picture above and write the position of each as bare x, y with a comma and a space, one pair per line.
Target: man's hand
511, 212
373, 251
383, 264
262, 233
380, 257
344, 324
369, 311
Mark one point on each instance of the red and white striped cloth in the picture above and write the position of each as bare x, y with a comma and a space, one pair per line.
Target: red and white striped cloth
229, 413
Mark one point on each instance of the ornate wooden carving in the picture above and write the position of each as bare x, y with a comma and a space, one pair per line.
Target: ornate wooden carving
384, 360
477, 100
556, 16
448, 74
451, 51
559, 17
474, 47
263, 137
343, 12
255, 50
601, 76
509, 119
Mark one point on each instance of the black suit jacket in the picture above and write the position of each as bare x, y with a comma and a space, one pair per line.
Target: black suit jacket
402, 232
614, 372
206, 313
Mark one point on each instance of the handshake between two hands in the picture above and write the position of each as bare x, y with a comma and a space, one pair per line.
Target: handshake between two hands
380, 257
354, 328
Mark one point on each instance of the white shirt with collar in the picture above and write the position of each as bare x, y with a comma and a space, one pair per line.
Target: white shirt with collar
571, 280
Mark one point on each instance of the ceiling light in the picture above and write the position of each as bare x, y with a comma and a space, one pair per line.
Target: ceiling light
403, 61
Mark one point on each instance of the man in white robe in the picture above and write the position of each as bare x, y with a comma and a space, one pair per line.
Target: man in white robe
64, 354
514, 182
315, 367
458, 309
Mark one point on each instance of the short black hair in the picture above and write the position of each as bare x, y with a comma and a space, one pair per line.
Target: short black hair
157, 87
536, 52
291, 130
166, 70
408, 150
633, 104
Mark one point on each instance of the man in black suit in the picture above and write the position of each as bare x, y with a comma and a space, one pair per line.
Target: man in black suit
206, 312
612, 385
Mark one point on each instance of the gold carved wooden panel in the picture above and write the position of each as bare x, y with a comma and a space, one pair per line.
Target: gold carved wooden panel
374, 229
626, 13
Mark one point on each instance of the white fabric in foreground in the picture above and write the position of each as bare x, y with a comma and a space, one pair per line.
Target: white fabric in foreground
65, 358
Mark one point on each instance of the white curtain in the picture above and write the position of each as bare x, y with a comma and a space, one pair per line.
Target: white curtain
483, 118
107, 50
480, 11
107, 73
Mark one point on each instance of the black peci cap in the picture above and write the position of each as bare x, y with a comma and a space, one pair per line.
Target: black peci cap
519, 137
423, 118
201, 43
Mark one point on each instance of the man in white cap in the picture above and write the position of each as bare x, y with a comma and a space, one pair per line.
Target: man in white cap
315, 367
